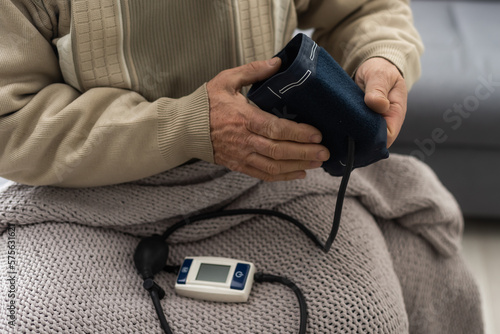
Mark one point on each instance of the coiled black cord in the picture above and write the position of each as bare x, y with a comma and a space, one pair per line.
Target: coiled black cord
157, 294
152, 252
236, 212
336, 218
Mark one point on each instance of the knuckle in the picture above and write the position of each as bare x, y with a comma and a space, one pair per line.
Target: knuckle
250, 124
248, 142
273, 169
226, 73
225, 78
275, 151
252, 160
271, 128
303, 154
251, 67
221, 76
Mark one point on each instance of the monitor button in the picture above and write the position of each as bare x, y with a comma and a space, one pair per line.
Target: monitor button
240, 276
183, 272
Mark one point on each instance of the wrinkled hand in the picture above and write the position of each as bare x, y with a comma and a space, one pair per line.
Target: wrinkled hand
252, 141
385, 93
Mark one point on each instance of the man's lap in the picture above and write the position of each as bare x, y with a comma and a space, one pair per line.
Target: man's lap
74, 278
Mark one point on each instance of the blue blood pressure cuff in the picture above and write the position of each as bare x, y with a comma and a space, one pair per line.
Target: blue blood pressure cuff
312, 88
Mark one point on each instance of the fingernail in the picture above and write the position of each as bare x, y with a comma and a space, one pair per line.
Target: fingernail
322, 155
273, 61
315, 139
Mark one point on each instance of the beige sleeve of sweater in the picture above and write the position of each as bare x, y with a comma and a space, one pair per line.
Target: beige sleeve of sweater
51, 134
353, 31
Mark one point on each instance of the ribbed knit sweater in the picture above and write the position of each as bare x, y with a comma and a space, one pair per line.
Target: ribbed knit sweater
97, 92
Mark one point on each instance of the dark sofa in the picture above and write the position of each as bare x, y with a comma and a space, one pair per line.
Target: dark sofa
453, 119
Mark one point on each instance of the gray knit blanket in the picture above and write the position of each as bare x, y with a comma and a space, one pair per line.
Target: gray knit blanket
395, 266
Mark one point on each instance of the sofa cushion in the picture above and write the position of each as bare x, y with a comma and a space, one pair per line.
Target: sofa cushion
457, 100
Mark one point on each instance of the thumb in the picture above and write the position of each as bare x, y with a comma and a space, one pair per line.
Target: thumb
376, 94
255, 71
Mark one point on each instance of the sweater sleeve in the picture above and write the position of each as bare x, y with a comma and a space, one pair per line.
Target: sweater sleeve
353, 31
52, 134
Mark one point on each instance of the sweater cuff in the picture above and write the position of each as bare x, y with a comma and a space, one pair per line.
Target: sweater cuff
184, 127
406, 62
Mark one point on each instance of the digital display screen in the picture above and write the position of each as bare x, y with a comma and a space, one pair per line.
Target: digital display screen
213, 273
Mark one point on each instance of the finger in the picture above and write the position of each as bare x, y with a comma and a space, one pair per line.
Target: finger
287, 150
272, 127
273, 167
252, 72
394, 122
385, 93
376, 93
397, 111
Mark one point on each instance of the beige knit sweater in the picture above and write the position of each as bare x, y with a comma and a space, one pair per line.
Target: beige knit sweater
96, 92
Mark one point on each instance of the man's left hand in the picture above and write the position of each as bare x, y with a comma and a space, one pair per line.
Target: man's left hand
385, 93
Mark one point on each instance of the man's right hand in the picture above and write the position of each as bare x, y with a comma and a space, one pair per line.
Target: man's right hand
252, 141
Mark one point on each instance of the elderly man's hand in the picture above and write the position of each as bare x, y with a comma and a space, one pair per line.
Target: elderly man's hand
252, 141
385, 93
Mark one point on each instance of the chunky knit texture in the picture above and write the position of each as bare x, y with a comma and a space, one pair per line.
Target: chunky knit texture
394, 267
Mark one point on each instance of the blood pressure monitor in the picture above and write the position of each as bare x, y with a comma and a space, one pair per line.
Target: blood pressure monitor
215, 278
